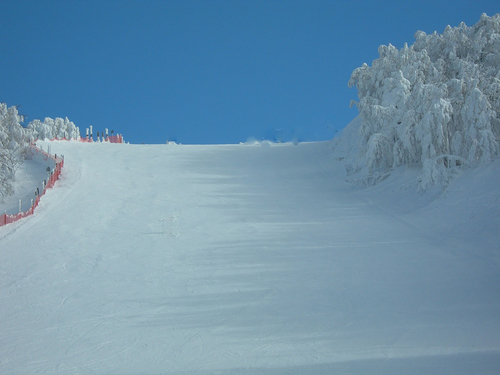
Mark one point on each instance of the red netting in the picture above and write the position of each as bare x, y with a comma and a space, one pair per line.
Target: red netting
6, 218
110, 138
115, 138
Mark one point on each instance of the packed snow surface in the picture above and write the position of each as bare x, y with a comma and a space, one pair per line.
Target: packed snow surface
249, 259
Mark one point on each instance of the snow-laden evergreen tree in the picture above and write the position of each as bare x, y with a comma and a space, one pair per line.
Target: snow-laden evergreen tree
14, 139
435, 104
57, 128
12, 147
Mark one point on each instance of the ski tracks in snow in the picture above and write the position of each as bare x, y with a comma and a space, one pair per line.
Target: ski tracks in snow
228, 259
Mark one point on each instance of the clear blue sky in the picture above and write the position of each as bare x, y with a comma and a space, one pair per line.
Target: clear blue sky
204, 71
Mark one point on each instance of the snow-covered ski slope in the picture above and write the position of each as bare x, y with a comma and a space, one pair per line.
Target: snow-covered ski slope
249, 259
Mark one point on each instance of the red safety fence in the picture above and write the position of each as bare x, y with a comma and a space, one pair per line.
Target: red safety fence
54, 176
110, 138
115, 138
49, 183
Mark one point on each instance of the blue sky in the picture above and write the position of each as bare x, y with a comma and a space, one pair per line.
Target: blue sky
204, 71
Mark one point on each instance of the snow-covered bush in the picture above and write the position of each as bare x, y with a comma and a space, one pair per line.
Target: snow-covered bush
54, 129
434, 104
13, 142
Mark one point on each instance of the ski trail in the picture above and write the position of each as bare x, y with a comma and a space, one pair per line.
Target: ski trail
233, 259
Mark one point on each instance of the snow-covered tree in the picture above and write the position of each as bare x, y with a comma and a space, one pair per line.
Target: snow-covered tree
434, 104
14, 140
12, 146
57, 128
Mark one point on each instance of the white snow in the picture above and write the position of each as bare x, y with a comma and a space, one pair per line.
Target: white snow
249, 259
29, 176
